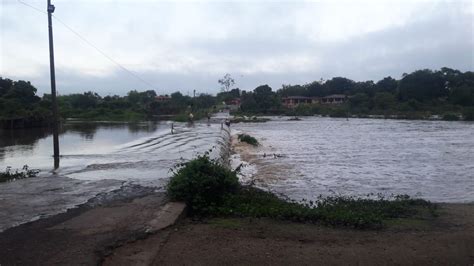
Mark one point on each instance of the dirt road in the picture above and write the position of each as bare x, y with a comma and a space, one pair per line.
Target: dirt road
447, 240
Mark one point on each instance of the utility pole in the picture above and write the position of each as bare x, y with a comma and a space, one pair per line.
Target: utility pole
53, 87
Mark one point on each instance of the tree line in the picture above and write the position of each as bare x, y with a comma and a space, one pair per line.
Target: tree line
419, 93
414, 95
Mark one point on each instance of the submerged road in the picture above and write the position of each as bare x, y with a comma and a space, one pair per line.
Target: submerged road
93, 173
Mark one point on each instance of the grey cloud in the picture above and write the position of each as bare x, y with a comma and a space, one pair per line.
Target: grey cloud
269, 33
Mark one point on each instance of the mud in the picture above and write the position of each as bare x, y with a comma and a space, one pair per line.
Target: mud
448, 240
83, 235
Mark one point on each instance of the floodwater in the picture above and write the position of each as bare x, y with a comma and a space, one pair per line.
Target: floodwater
331, 156
303, 159
142, 152
96, 158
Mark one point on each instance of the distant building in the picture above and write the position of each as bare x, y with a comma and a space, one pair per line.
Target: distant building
162, 98
333, 99
293, 101
232, 104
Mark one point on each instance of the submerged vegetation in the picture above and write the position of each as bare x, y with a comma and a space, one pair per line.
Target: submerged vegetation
10, 175
211, 190
245, 119
248, 139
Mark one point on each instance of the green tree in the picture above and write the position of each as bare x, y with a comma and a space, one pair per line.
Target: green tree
387, 84
5, 85
226, 82
423, 85
360, 102
292, 90
314, 89
338, 85
463, 95
265, 98
366, 87
22, 91
384, 101
248, 103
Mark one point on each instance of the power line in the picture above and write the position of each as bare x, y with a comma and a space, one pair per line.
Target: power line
90, 44
35, 8
101, 52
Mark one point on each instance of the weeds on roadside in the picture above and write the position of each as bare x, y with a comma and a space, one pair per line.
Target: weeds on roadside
211, 190
10, 175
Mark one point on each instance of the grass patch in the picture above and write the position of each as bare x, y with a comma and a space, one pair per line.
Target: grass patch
229, 223
211, 190
450, 117
334, 211
248, 139
10, 175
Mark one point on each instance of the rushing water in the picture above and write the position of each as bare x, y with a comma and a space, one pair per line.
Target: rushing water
300, 159
142, 153
326, 156
96, 158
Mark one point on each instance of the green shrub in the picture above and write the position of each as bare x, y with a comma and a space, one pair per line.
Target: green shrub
202, 183
248, 139
338, 112
468, 114
451, 117
335, 211
210, 189
10, 175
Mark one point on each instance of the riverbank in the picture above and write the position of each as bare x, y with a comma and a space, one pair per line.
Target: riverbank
355, 157
112, 234
447, 240
124, 229
86, 234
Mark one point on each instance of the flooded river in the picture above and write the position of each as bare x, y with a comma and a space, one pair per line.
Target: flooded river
300, 159
96, 158
327, 156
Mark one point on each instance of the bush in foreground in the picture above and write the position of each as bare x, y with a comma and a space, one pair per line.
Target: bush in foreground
10, 175
210, 189
202, 183
248, 139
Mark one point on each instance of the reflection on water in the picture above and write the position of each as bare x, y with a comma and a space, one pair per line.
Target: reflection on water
27, 139
96, 158
34, 146
431, 159
93, 151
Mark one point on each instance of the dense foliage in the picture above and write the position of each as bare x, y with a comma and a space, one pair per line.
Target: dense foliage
202, 183
416, 95
134, 106
18, 100
210, 189
10, 175
248, 139
446, 92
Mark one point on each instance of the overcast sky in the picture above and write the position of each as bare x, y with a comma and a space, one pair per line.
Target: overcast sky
186, 45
